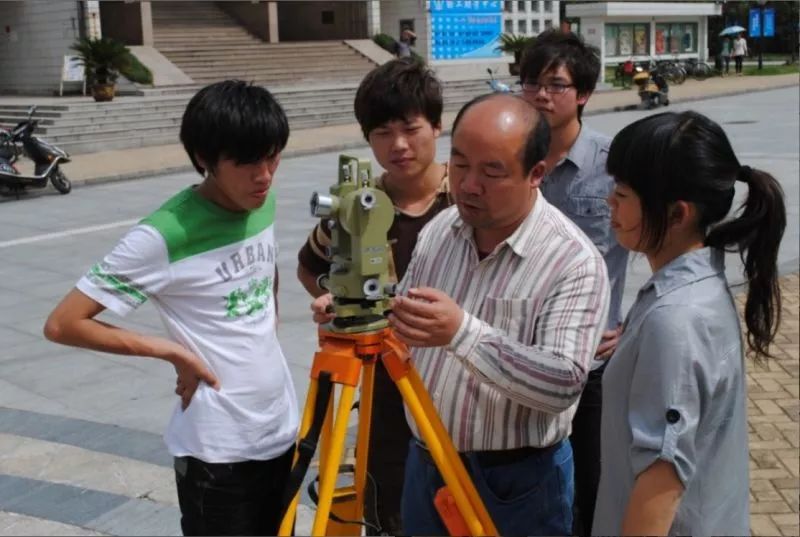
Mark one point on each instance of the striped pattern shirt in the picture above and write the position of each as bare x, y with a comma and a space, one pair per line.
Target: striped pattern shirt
534, 311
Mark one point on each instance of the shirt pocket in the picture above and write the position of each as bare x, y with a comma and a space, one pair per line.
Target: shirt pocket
511, 315
593, 216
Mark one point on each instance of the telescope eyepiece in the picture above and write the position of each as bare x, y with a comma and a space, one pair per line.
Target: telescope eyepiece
322, 206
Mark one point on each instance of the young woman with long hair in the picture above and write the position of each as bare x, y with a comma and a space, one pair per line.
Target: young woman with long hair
674, 423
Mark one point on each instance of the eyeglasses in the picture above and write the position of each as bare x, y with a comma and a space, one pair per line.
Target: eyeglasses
531, 87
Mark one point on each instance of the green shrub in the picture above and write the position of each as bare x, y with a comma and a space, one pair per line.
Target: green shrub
386, 42
101, 57
136, 71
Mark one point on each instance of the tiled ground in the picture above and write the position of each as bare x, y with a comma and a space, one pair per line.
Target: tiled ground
773, 409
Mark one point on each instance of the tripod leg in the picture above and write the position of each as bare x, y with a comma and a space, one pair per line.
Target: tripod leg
445, 455
327, 433
305, 424
330, 470
362, 440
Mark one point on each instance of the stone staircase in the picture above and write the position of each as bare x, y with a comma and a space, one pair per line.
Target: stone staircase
209, 45
314, 82
154, 119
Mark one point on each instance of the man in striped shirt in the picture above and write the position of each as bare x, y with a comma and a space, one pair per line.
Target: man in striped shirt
504, 303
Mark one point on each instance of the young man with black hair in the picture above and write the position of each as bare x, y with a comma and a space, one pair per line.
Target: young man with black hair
399, 108
207, 260
558, 74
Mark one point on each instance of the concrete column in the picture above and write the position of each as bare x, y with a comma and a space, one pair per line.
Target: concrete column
272, 14
147, 24
702, 39
93, 27
373, 17
652, 44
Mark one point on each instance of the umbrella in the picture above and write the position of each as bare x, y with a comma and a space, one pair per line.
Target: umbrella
733, 30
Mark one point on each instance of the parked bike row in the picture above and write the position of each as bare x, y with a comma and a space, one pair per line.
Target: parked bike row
674, 71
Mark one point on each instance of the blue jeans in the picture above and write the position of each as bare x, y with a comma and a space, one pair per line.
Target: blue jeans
532, 496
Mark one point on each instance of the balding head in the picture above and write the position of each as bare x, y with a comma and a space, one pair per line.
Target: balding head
502, 115
496, 164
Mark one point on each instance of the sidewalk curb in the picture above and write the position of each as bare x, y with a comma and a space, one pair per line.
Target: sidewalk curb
362, 143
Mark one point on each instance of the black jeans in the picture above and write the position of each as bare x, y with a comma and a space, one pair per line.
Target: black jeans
241, 498
388, 449
739, 61
585, 439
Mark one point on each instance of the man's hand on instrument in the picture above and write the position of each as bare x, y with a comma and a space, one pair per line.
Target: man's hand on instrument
425, 317
323, 308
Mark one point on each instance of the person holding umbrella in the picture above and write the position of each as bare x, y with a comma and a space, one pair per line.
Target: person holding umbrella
726, 54
739, 47
739, 52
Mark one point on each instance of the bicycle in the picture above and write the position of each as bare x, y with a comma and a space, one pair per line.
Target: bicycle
697, 69
672, 71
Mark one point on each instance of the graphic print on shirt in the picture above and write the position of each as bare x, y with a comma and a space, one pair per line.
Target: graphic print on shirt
249, 301
244, 259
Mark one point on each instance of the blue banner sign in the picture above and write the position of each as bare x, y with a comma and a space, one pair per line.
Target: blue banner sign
769, 22
465, 29
466, 6
755, 22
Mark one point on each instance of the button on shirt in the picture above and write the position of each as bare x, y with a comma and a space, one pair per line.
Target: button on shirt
534, 311
675, 391
579, 187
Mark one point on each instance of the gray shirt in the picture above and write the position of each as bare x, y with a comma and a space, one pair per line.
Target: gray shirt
579, 187
675, 391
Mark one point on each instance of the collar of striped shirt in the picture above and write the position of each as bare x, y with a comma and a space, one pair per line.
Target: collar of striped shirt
523, 238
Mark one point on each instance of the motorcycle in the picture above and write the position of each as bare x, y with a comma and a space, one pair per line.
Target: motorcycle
496, 85
653, 87
46, 157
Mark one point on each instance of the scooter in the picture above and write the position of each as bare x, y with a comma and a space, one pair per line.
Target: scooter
653, 87
46, 157
496, 85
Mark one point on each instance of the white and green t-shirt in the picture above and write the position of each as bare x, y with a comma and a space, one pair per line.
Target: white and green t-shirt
210, 274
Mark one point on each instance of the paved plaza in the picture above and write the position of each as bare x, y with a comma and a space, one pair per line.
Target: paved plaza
80, 432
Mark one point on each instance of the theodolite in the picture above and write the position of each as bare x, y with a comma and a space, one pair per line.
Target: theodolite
358, 216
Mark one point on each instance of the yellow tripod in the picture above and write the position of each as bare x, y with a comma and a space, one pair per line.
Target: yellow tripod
345, 360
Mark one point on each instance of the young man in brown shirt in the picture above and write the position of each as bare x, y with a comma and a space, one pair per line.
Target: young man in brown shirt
399, 108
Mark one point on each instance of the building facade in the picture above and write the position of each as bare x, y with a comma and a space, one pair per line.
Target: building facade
639, 31
458, 38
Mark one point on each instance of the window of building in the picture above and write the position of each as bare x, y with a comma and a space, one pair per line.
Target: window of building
627, 39
548, 24
523, 26
508, 6
548, 6
535, 6
327, 17
509, 26
535, 26
521, 7
676, 38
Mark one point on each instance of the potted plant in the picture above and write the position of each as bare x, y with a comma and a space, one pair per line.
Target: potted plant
102, 59
514, 45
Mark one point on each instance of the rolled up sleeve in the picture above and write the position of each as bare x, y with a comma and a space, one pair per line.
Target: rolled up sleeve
667, 391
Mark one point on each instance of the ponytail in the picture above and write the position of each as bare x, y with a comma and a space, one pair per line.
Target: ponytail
756, 234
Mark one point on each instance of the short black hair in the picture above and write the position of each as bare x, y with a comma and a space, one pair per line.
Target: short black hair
234, 120
537, 139
395, 91
553, 48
